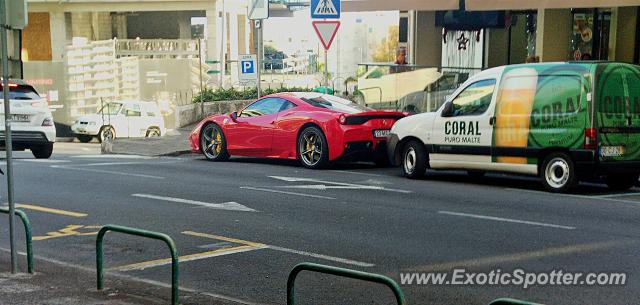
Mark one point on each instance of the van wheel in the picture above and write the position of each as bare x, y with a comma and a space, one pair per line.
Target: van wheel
107, 133
84, 138
153, 132
558, 173
621, 182
414, 160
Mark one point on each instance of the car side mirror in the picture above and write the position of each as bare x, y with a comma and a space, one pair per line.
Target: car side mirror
234, 116
447, 110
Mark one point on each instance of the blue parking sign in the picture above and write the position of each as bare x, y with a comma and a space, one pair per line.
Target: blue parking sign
247, 66
325, 9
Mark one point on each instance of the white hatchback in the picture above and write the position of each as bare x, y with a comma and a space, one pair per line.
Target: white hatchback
122, 119
32, 124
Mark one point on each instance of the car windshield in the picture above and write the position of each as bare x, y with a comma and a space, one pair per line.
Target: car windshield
110, 109
335, 103
21, 92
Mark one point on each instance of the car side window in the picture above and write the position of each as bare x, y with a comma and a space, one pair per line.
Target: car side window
287, 105
133, 110
474, 99
263, 107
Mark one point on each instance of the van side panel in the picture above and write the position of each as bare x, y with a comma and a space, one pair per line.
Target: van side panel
618, 112
557, 114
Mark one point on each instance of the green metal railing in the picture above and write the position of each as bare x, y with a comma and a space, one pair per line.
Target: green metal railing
342, 272
27, 231
506, 301
142, 233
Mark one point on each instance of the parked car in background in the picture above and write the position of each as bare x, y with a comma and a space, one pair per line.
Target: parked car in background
563, 122
433, 95
313, 128
121, 119
32, 124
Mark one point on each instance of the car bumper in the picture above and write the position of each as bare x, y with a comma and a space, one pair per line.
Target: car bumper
89, 130
22, 139
392, 146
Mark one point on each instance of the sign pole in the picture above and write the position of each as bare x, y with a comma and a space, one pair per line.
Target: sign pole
259, 26
326, 71
7, 133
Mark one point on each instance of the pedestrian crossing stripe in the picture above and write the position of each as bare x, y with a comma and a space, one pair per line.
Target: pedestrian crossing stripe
325, 7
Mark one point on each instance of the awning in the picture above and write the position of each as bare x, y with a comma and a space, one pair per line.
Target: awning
492, 5
398, 5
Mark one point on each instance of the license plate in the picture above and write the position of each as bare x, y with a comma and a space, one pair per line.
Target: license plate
381, 133
611, 151
20, 118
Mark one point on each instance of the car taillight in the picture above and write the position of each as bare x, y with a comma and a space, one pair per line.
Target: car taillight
342, 119
47, 122
590, 138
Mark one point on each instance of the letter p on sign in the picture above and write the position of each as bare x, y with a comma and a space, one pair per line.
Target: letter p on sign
247, 66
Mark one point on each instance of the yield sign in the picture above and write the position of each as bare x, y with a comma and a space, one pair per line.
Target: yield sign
326, 31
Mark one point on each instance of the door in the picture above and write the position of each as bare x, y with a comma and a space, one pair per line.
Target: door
463, 139
285, 131
252, 132
135, 120
618, 116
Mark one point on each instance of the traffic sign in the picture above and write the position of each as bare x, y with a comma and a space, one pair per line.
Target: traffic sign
258, 9
325, 9
247, 69
326, 31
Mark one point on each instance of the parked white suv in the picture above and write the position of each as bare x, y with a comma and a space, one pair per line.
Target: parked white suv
31, 120
122, 119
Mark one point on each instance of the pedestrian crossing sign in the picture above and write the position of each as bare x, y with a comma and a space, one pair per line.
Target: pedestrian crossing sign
325, 9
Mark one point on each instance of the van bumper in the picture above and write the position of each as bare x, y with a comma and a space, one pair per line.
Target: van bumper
392, 147
587, 164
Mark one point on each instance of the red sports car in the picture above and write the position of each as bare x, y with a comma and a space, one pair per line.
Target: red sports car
311, 127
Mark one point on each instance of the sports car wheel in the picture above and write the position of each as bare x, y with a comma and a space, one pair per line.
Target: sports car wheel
213, 143
313, 150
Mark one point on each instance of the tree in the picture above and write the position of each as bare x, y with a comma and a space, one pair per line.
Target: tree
386, 50
269, 49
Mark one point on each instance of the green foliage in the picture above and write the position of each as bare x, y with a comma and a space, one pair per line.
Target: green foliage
232, 94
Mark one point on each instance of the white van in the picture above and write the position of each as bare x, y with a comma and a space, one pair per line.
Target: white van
560, 121
122, 119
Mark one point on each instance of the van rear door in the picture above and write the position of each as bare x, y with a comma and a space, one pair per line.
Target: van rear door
618, 111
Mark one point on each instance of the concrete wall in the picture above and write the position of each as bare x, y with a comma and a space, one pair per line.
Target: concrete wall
553, 34
625, 42
496, 47
189, 114
427, 40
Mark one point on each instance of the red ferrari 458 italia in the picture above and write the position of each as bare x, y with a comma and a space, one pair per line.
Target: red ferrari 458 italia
311, 127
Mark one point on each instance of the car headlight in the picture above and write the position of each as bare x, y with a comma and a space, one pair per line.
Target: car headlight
47, 122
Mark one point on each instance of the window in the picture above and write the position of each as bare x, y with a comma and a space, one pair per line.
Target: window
475, 99
334, 103
263, 107
110, 109
132, 110
21, 92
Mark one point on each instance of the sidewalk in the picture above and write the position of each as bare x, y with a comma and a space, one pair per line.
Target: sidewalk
57, 283
175, 143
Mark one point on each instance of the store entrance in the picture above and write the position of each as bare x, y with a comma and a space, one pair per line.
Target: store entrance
591, 31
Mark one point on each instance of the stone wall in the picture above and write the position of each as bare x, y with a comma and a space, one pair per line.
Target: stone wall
189, 114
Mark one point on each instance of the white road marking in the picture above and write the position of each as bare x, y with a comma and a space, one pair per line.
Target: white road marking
532, 223
106, 172
231, 206
618, 195
113, 157
321, 256
594, 197
357, 173
134, 278
335, 185
44, 160
284, 192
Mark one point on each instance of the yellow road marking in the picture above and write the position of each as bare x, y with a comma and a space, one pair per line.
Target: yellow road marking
50, 210
185, 258
70, 230
229, 239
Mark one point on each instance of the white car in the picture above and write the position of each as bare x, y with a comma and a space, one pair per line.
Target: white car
32, 124
122, 119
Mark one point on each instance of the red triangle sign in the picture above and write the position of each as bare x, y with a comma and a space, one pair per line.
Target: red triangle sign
326, 31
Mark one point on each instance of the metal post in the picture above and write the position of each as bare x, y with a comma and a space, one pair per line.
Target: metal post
7, 133
259, 25
200, 67
326, 71
223, 44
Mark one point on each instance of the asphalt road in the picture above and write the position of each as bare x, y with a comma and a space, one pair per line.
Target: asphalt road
240, 226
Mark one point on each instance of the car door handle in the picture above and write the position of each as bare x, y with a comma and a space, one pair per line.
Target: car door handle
492, 120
